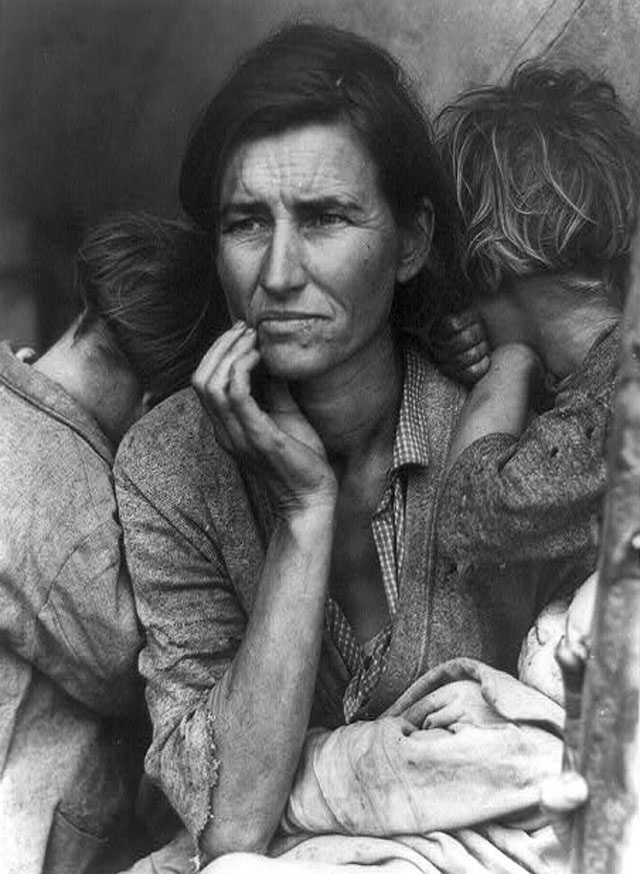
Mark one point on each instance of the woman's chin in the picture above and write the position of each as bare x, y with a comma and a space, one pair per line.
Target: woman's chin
292, 365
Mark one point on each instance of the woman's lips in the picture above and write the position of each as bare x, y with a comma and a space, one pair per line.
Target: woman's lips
287, 323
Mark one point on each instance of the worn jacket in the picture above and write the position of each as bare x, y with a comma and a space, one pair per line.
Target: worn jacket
69, 635
196, 528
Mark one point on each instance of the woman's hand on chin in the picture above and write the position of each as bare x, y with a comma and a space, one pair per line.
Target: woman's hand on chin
280, 445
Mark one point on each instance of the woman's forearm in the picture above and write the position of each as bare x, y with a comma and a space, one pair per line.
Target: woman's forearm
261, 706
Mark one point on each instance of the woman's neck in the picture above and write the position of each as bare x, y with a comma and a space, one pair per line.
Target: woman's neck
354, 408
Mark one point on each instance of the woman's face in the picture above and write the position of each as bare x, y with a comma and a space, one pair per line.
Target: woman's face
309, 252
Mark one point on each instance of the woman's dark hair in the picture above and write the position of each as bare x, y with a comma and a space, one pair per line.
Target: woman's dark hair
309, 73
547, 174
146, 285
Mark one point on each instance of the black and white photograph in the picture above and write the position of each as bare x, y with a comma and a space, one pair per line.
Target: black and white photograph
319, 436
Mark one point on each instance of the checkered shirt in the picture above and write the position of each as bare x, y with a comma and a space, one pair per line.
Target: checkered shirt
367, 662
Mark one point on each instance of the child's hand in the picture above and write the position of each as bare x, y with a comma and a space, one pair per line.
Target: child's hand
460, 347
459, 702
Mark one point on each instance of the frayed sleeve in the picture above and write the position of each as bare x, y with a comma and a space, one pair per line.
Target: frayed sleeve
193, 625
529, 498
535, 497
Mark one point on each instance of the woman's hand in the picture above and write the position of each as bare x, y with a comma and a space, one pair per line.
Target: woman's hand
280, 443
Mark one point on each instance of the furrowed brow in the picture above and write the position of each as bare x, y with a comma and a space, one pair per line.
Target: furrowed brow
328, 203
241, 207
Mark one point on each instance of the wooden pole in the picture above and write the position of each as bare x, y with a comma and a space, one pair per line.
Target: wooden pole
607, 829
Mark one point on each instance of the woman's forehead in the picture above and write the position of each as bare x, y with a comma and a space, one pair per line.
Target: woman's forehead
310, 162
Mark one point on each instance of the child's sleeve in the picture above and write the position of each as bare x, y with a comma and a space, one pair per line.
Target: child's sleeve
535, 496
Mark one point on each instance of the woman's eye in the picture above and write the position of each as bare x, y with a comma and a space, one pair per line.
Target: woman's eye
247, 225
326, 220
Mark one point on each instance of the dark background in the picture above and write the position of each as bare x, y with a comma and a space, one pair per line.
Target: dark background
97, 98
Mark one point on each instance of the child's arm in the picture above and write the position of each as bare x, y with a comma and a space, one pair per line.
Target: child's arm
533, 497
499, 402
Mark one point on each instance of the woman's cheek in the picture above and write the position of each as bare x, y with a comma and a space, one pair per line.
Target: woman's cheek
236, 280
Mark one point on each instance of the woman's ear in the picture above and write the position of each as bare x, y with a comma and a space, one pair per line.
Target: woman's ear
416, 242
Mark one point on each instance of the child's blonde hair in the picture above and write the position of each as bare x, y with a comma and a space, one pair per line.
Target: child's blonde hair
547, 175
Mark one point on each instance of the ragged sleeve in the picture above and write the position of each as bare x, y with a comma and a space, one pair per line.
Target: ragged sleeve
192, 619
534, 497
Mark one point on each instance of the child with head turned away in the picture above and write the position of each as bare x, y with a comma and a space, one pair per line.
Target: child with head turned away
73, 724
547, 175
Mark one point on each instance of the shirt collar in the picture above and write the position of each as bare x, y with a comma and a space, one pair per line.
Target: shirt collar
41, 392
411, 443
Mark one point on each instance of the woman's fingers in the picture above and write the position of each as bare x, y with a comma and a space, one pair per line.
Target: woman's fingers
242, 411
214, 355
212, 381
239, 376
212, 374
279, 441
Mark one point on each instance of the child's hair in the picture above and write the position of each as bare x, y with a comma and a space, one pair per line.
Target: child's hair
547, 175
147, 287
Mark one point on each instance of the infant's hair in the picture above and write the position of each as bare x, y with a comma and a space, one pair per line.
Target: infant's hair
149, 293
547, 176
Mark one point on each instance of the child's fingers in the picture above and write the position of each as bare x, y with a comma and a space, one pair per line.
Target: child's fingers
472, 355
453, 324
474, 372
466, 339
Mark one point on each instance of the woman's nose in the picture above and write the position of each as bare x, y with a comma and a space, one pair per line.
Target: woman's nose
283, 268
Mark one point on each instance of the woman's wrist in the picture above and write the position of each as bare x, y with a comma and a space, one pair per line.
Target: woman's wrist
309, 514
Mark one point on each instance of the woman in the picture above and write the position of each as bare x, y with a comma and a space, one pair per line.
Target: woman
279, 533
